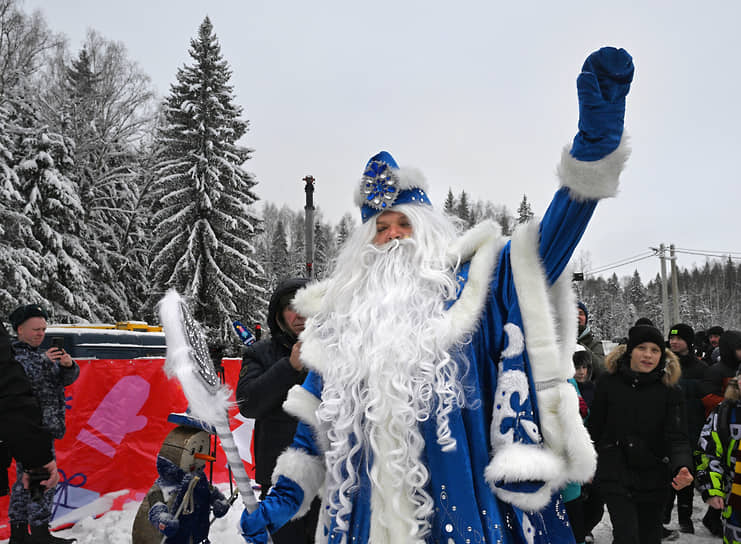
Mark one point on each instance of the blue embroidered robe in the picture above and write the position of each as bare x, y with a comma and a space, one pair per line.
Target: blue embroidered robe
472, 504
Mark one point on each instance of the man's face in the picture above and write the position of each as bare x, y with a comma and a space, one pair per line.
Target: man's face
391, 226
582, 318
293, 320
714, 339
678, 345
32, 331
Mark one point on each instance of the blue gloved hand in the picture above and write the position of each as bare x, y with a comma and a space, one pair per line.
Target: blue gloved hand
274, 512
163, 521
253, 527
602, 86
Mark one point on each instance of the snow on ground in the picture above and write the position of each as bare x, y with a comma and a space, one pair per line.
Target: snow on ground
114, 527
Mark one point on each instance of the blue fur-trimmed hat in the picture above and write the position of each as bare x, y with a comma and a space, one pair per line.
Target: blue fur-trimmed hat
385, 185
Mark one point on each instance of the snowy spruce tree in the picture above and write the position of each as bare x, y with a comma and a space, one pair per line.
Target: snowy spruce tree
524, 211
103, 102
203, 215
51, 202
20, 252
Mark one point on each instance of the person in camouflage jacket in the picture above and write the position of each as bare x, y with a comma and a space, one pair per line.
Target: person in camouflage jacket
717, 478
49, 372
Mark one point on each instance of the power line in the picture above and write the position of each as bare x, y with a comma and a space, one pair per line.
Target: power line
709, 251
623, 262
643, 256
705, 254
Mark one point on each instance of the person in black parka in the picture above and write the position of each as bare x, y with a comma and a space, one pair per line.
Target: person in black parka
637, 424
681, 342
22, 434
270, 368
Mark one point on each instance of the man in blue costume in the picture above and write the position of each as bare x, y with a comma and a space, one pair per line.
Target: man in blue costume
437, 407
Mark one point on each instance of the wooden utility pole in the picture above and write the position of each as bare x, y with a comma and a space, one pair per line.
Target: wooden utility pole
675, 287
664, 290
309, 225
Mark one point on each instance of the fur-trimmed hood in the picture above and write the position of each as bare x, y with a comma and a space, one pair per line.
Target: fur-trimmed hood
672, 369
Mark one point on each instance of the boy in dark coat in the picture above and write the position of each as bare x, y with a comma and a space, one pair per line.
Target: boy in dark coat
637, 426
681, 342
270, 368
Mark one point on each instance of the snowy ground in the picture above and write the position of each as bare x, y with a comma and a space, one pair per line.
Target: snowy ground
114, 527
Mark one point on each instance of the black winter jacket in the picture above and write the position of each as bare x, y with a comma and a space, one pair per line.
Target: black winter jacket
48, 380
637, 424
717, 375
263, 385
20, 414
693, 373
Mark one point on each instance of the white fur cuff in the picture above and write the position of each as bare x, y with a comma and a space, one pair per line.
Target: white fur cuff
565, 434
302, 405
306, 470
522, 463
591, 180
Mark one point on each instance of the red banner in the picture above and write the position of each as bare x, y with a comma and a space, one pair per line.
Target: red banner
116, 423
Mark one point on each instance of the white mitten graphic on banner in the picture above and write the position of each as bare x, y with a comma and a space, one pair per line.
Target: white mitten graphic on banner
116, 415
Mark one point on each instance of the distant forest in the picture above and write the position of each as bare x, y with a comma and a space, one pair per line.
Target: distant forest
110, 197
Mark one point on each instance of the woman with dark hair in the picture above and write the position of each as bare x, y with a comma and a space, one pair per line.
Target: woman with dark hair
636, 422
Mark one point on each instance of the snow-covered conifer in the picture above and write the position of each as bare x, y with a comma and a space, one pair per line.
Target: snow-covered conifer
51, 202
204, 220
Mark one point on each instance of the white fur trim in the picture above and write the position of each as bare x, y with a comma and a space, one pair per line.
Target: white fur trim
303, 405
305, 470
208, 406
589, 180
482, 245
409, 178
524, 462
565, 434
549, 320
308, 300
550, 362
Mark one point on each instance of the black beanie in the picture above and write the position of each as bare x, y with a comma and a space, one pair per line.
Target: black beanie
644, 321
685, 332
20, 315
583, 307
645, 333
715, 329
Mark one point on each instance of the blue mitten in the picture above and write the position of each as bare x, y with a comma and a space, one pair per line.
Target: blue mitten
602, 86
163, 521
274, 512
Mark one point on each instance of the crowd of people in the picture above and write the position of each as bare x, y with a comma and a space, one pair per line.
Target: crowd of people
440, 403
447, 387
637, 454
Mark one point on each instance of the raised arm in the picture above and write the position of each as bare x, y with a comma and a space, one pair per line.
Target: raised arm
589, 170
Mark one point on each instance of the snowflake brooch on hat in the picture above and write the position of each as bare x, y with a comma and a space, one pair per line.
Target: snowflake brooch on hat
384, 185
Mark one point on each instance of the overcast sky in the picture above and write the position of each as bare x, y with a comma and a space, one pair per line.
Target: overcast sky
480, 96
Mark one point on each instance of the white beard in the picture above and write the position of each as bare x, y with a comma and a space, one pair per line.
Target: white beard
387, 370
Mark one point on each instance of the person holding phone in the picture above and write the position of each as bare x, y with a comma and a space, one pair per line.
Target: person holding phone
49, 372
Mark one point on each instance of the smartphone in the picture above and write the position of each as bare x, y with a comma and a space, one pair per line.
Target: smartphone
57, 342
